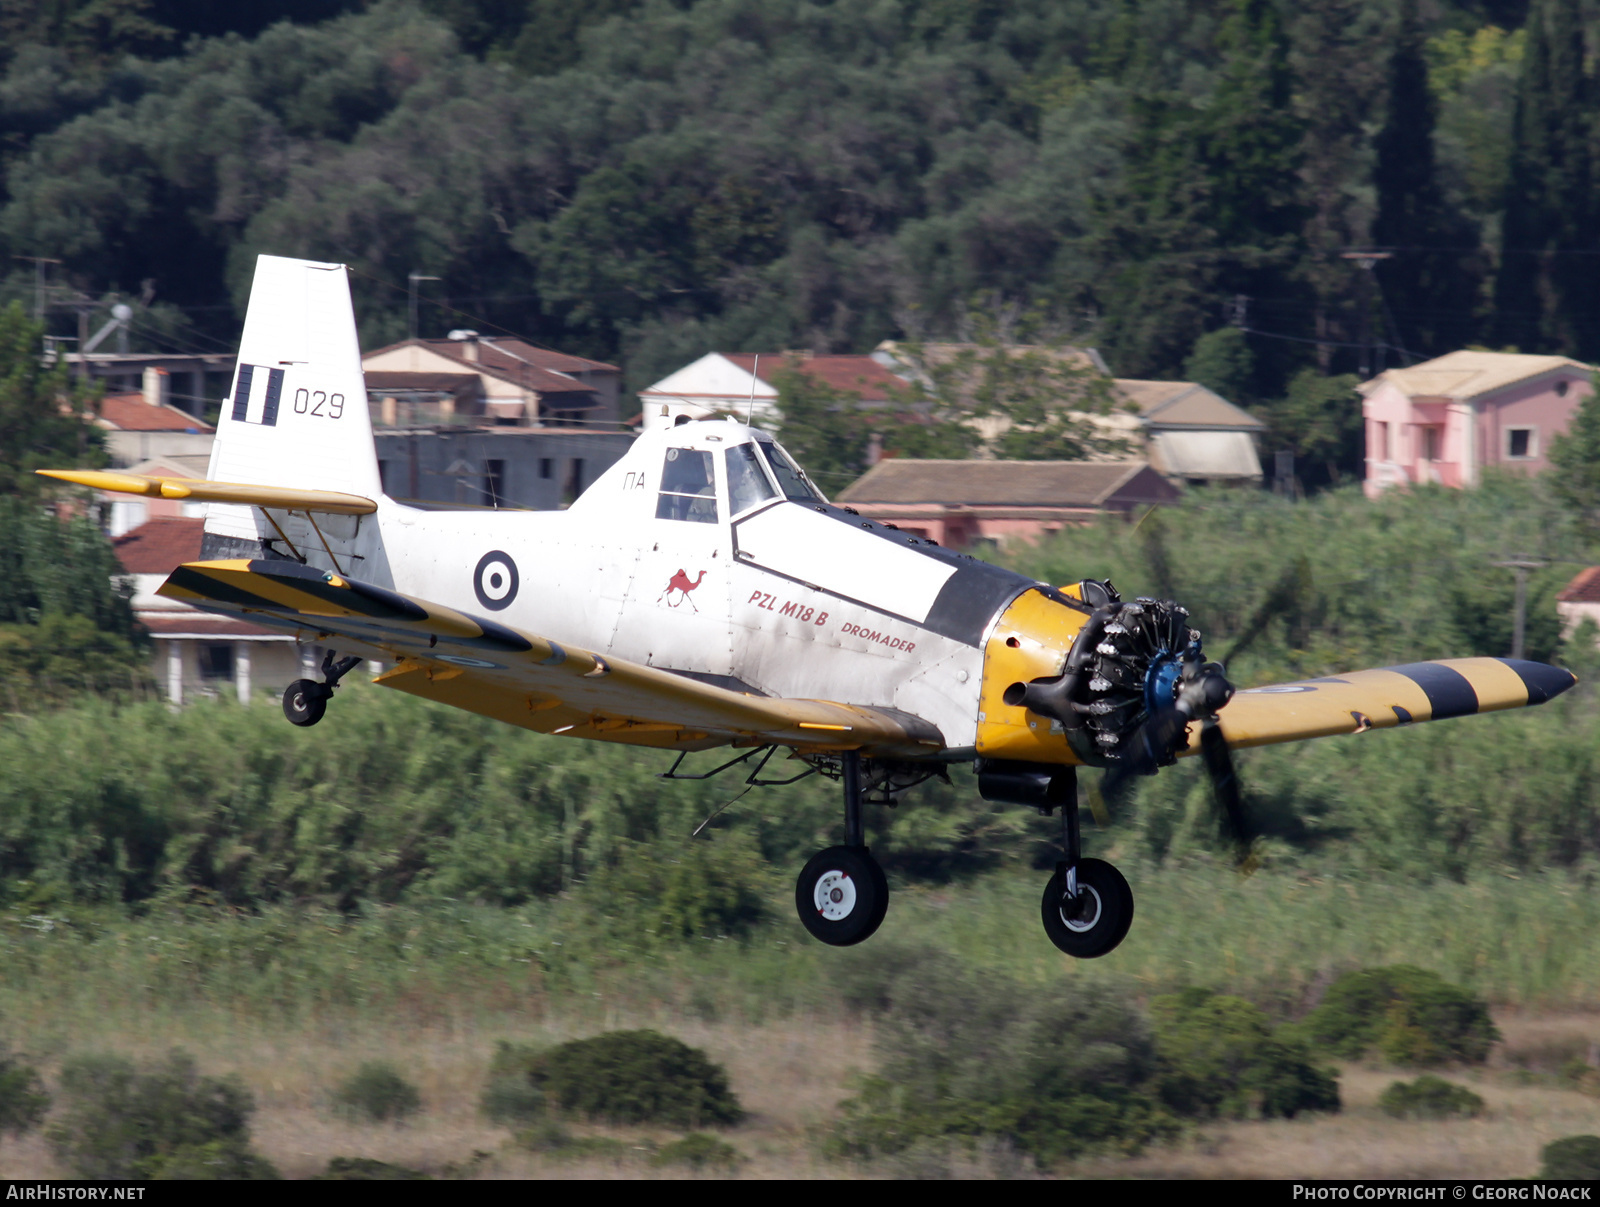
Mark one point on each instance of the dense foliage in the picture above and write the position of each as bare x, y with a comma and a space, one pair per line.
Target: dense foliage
1429, 1097
1060, 1070
616, 1077
119, 1121
1408, 1015
649, 179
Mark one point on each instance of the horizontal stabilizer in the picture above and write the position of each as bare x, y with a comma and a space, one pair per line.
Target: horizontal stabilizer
195, 490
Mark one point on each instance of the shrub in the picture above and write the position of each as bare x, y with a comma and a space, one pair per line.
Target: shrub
377, 1094
1573, 1157
120, 1122
1220, 1058
1052, 1074
511, 1095
23, 1101
634, 1077
1430, 1097
1409, 1015
550, 1138
364, 1169
700, 889
699, 1151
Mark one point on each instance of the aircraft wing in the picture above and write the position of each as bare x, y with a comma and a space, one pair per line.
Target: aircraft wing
1384, 699
539, 684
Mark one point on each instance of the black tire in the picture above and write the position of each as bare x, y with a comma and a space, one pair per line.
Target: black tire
859, 894
1102, 919
305, 701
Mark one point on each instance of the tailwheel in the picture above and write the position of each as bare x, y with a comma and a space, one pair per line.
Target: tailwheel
305, 701
842, 895
1093, 921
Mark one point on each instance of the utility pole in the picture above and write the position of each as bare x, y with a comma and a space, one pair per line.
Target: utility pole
1367, 261
413, 278
1520, 567
38, 263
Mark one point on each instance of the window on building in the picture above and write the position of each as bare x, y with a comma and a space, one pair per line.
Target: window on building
747, 481
216, 662
573, 487
1432, 441
1520, 443
688, 490
494, 483
1562, 387
546, 468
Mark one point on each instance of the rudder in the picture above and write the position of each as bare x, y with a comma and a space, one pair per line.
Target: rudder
297, 413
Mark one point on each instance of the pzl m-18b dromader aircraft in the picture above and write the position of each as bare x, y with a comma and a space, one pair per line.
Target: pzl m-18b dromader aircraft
703, 593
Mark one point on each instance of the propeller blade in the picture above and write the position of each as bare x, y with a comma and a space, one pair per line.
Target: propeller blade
1218, 758
1289, 587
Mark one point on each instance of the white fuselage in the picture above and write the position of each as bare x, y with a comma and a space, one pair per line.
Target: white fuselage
688, 555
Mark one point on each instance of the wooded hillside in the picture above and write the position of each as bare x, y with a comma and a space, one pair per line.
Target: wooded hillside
647, 180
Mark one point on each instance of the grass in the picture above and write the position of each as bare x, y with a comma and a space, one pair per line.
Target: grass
295, 1001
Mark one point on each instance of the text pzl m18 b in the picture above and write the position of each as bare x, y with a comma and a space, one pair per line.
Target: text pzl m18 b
703, 593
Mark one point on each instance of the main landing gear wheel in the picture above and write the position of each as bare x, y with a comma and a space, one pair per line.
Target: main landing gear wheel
305, 701
842, 895
1097, 919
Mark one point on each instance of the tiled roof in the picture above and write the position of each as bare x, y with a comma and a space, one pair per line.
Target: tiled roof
1009, 483
131, 413
161, 545
1184, 404
441, 383
1470, 373
512, 356
1584, 588
860, 375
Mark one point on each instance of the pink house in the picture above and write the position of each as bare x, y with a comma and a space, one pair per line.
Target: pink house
1447, 419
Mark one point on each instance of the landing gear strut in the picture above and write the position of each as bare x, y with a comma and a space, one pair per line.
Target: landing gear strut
842, 893
1087, 906
305, 700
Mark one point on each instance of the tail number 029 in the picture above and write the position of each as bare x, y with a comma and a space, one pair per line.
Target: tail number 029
317, 402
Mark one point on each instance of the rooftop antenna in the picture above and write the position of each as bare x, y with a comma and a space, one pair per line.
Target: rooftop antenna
750, 413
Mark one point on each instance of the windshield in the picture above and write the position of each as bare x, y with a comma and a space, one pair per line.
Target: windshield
791, 479
747, 481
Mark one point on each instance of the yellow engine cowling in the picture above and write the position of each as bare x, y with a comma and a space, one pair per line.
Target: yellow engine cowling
1031, 640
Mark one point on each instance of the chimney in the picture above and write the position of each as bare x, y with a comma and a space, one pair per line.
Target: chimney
874, 449
157, 387
469, 340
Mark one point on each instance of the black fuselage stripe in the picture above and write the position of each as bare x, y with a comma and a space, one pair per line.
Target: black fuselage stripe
241, 393
269, 411
1448, 691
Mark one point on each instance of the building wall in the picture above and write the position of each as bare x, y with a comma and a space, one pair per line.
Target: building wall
1471, 436
541, 468
130, 448
183, 671
1539, 408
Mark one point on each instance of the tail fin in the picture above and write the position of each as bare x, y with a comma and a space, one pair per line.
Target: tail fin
297, 414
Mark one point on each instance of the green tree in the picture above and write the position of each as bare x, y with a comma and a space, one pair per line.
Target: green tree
1319, 420
44, 412
1222, 362
1575, 457
1208, 205
1546, 296
1428, 282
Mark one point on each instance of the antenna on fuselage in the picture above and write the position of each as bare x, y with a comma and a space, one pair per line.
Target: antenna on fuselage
750, 412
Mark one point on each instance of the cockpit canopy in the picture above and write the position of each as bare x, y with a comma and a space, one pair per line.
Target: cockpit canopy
704, 483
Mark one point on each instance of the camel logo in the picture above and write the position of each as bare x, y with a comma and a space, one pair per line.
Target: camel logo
678, 590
